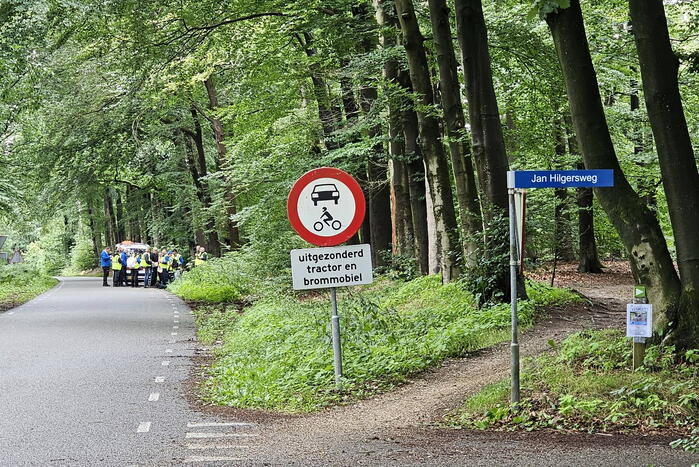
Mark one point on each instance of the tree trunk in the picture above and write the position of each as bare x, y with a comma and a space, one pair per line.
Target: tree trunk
213, 243
228, 193
589, 260
562, 235
638, 228
378, 190
416, 176
462, 166
486, 130
94, 234
349, 102
678, 167
437, 170
402, 237
329, 114
121, 229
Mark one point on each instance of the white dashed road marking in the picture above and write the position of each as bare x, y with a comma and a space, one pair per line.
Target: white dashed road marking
201, 447
218, 435
211, 424
175, 327
154, 396
143, 427
173, 333
168, 350
166, 363
211, 459
159, 379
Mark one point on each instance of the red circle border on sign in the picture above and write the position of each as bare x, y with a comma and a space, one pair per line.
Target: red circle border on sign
301, 183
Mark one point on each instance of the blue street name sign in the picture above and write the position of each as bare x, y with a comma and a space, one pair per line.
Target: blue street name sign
560, 178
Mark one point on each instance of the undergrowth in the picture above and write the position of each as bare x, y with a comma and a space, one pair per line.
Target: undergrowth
587, 385
20, 283
216, 281
277, 354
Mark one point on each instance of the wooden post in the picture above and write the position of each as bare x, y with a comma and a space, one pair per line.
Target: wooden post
639, 352
639, 343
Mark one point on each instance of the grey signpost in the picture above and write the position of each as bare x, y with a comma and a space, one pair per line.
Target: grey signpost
326, 207
337, 343
516, 182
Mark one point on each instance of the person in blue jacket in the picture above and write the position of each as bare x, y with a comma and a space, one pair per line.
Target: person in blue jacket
123, 278
106, 264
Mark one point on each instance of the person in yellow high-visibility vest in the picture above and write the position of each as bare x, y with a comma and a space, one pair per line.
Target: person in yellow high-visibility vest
116, 267
201, 256
145, 262
164, 268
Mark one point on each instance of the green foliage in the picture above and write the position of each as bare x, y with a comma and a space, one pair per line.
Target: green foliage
544, 295
543, 8
20, 283
217, 280
399, 267
213, 321
689, 444
588, 386
82, 257
278, 354
484, 278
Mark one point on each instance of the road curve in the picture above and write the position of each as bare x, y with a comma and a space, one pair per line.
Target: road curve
93, 375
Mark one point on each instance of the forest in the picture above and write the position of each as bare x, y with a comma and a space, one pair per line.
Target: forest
186, 123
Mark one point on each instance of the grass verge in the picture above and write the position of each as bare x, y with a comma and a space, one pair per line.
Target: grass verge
277, 354
587, 385
19, 284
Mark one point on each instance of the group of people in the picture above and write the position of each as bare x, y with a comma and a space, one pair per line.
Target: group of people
159, 266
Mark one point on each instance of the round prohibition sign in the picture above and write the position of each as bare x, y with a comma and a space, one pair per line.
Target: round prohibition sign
326, 206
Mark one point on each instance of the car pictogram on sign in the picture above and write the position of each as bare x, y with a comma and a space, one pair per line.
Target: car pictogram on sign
325, 192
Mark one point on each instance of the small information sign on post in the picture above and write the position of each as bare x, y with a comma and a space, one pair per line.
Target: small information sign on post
639, 320
639, 324
326, 207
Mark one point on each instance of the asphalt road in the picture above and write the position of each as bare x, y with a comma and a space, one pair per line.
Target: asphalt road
93, 375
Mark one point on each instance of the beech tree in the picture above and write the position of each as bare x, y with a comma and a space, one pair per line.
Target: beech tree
659, 66
638, 228
432, 149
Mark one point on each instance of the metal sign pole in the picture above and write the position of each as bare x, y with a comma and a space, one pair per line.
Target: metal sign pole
337, 344
514, 266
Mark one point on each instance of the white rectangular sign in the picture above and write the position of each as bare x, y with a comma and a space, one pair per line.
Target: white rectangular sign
321, 268
639, 320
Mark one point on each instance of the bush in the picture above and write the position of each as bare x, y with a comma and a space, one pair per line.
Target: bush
82, 257
46, 258
218, 280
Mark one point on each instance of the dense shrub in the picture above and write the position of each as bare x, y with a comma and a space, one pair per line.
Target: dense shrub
218, 280
82, 257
